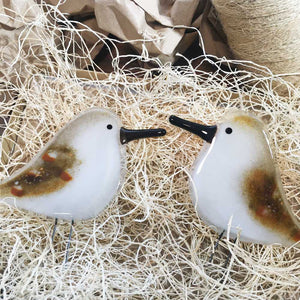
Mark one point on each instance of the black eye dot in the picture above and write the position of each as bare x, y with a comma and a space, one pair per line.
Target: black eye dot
109, 126
228, 130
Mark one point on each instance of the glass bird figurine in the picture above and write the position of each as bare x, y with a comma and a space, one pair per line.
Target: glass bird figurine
235, 177
78, 172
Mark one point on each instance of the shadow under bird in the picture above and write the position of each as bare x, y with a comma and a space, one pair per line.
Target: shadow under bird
78, 172
235, 177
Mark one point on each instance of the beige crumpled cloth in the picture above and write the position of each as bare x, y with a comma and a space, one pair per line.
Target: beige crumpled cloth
158, 25
163, 27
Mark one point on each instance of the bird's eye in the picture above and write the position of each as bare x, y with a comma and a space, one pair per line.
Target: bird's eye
109, 126
228, 130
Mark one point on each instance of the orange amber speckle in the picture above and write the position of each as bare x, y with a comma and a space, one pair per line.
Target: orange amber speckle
296, 236
48, 157
33, 173
17, 191
65, 176
262, 211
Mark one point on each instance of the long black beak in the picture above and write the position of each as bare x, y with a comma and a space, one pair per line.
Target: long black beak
207, 133
127, 135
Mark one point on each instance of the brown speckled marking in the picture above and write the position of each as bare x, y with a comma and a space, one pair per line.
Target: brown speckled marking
247, 120
266, 203
45, 177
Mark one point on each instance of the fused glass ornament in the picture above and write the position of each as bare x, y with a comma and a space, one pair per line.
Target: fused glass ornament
78, 172
235, 178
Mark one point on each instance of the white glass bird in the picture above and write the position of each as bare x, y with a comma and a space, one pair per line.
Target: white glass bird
235, 177
78, 172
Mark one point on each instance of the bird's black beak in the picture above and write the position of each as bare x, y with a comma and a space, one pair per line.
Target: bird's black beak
127, 135
207, 133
